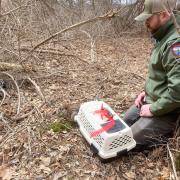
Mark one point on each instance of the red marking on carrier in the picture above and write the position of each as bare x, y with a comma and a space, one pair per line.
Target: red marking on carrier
107, 114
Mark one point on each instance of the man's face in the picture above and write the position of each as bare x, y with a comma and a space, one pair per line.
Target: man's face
153, 23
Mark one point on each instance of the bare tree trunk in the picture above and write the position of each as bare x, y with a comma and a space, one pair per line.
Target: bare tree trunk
0, 6
93, 4
111, 2
107, 4
70, 3
178, 5
81, 2
81, 7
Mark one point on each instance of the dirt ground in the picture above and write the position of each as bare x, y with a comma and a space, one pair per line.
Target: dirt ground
116, 74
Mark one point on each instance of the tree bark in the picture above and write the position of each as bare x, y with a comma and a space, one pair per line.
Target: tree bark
93, 4
0, 7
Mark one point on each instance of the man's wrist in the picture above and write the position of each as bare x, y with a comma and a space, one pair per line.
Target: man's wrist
151, 109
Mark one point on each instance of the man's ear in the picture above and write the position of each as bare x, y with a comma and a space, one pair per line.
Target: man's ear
165, 15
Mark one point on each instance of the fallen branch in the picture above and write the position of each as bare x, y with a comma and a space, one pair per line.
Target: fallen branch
4, 95
11, 135
19, 118
54, 52
55, 73
108, 15
10, 66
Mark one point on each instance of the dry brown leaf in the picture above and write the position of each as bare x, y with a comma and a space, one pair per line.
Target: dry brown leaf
130, 175
165, 174
5, 172
151, 165
45, 169
111, 178
59, 175
45, 160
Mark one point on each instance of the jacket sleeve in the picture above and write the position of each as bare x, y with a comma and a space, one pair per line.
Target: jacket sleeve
171, 99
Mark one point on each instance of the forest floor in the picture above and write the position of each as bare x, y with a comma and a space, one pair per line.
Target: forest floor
47, 145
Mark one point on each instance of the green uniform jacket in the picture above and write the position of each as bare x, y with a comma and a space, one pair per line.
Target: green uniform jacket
162, 87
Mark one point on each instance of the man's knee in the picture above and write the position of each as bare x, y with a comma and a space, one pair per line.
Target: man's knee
131, 115
141, 132
150, 131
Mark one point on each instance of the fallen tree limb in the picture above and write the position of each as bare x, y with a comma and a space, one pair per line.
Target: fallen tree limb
108, 15
10, 66
54, 52
15, 67
19, 118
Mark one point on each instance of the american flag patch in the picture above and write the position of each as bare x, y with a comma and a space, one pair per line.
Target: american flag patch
176, 49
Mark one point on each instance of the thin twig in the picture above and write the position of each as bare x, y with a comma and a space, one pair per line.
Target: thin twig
18, 91
93, 42
5, 122
11, 135
29, 139
54, 53
11, 11
4, 95
19, 118
56, 73
37, 89
175, 150
177, 128
173, 18
39, 112
172, 162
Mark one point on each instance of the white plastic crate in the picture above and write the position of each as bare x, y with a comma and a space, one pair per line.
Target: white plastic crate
107, 143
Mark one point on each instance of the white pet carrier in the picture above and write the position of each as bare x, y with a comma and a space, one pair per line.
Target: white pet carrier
108, 135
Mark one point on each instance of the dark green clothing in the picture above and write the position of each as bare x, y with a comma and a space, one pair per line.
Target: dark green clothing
162, 87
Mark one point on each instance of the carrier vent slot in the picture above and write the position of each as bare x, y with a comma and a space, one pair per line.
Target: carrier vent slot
89, 128
119, 142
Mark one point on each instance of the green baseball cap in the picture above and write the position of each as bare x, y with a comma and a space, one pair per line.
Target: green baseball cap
155, 6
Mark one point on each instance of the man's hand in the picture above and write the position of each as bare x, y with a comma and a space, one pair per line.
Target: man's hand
139, 100
145, 111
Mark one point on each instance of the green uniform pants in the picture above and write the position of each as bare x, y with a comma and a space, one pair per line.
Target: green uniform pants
148, 132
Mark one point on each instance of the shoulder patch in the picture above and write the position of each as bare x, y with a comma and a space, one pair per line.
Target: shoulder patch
175, 48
